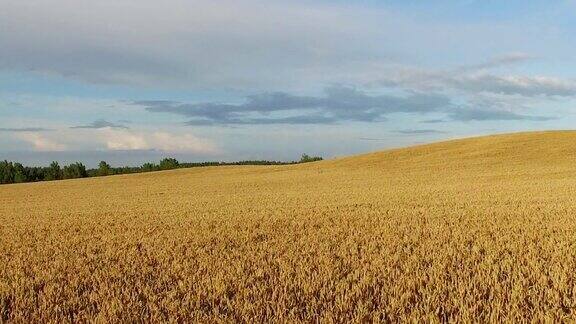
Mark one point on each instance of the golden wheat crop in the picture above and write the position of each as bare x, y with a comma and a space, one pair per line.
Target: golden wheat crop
475, 230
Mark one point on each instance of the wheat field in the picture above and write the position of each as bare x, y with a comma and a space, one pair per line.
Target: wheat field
473, 230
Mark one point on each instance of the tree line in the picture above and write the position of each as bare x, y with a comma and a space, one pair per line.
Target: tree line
14, 172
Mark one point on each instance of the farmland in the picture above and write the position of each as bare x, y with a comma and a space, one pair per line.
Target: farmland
480, 229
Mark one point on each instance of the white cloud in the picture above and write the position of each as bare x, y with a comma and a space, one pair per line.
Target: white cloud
528, 86
201, 43
124, 140
182, 143
40, 142
473, 79
498, 61
246, 44
116, 139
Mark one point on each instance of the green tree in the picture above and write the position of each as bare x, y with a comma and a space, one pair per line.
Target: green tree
6, 172
53, 172
307, 158
74, 170
20, 174
35, 173
148, 167
168, 164
104, 169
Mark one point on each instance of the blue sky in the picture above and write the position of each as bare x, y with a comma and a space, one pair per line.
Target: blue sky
134, 80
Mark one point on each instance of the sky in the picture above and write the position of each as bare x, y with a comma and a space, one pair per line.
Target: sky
132, 81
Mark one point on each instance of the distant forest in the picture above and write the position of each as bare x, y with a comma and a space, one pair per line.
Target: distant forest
14, 172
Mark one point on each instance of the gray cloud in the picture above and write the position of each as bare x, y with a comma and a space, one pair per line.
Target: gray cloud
247, 44
490, 107
498, 61
371, 139
294, 120
204, 44
26, 129
474, 79
419, 131
433, 121
97, 124
514, 85
486, 115
340, 104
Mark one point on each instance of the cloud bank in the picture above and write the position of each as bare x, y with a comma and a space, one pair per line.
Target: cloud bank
159, 141
41, 143
242, 44
25, 129
98, 124
117, 139
339, 104
419, 131
199, 43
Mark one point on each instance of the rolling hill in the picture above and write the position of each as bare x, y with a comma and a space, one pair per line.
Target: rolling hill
478, 229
